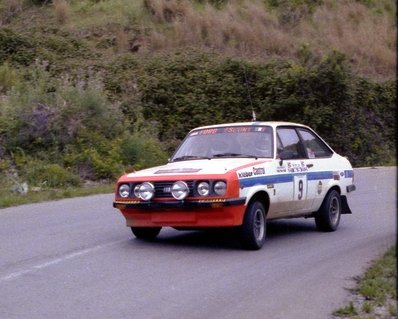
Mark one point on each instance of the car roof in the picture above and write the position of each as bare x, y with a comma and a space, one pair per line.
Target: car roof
255, 123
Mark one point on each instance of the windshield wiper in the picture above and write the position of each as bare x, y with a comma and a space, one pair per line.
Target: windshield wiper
189, 157
234, 155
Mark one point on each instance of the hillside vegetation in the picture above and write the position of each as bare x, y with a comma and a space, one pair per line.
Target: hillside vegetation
91, 88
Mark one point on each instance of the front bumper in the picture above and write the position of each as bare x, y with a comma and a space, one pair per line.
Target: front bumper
195, 213
194, 204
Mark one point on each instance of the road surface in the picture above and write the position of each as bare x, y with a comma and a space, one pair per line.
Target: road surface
74, 258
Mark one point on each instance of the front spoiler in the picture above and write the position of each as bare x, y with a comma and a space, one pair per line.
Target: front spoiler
192, 204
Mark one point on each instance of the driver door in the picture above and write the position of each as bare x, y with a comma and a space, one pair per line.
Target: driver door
295, 167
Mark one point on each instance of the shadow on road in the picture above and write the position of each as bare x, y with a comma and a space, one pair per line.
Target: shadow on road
226, 238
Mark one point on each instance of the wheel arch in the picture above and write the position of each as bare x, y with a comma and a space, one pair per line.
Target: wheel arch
334, 187
262, 197
345, 209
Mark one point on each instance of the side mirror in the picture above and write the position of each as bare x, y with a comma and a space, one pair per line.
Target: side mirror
285, 155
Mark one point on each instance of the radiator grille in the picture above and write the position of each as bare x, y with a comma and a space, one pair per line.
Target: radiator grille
163, 189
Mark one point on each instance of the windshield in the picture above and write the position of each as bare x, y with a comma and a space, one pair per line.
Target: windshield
233, 141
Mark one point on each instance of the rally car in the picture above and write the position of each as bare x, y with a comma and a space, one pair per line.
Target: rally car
239, 175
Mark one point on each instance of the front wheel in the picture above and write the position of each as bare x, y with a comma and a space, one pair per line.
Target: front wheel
328, 216
146, 232
253, 229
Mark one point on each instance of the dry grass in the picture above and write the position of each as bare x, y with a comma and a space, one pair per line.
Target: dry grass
241, 28
62, 11
10, 9
167, 11
367, 39
235, 29
248, 28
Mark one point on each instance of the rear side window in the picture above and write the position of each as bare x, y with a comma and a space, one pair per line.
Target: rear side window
289, 141
314, 146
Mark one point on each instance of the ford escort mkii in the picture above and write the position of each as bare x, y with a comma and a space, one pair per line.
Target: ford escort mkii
239, 175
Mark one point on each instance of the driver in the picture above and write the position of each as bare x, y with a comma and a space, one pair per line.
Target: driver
256, 144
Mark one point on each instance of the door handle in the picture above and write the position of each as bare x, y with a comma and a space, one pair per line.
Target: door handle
309, 165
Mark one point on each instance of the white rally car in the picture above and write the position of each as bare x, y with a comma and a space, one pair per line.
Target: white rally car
239, 175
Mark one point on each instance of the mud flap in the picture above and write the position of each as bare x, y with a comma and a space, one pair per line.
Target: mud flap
345, 208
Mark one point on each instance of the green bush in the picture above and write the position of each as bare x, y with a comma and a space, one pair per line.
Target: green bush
8, 77
15, 48
39, 2
43, 174
141, 151
48, 113
182, 91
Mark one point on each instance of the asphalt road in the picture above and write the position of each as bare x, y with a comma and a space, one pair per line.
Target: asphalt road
75, 258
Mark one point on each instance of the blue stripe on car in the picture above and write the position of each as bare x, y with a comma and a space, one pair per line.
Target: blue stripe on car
286, 178
282, 178
349, 174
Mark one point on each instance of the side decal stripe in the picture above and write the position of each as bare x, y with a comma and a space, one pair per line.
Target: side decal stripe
348, 174
319, 175
282, 178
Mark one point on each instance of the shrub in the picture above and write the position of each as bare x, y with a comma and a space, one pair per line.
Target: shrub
141, 151
40, 2
42, 174
8, 77
15, 48
48, 113
10, 9
93, 156
182, 91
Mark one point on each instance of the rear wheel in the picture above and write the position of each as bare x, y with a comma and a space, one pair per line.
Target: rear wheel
328, 216
146, 232
253, 229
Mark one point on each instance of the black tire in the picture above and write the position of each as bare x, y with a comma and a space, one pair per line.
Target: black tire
253, 229
146, 232
328, 217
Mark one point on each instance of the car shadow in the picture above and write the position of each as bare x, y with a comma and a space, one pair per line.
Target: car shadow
225, 238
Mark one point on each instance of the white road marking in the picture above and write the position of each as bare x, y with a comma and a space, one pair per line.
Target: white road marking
55, 261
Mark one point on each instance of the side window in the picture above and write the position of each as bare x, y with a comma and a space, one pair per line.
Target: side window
314, 146
288, 141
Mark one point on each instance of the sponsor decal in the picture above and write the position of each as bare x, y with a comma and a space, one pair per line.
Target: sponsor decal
231, 129
178, 171
245, 174
297, 167
281, 169
319, 188
240, 129
255, 171
258, 171
311, 153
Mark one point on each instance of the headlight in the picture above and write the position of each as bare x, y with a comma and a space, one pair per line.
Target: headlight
145, 191
220, 188
124, 190
137, 191
179, 190
203, 188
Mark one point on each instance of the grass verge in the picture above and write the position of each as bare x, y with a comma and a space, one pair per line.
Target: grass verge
9, 199
375, 295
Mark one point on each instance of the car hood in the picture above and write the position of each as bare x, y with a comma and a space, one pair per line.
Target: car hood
198, 167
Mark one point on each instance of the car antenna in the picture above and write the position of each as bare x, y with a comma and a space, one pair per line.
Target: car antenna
248, 90
253, 115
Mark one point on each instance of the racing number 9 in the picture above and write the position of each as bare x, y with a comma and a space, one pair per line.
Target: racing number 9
300, 189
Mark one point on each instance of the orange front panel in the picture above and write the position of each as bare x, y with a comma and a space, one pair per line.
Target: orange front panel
211, 217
